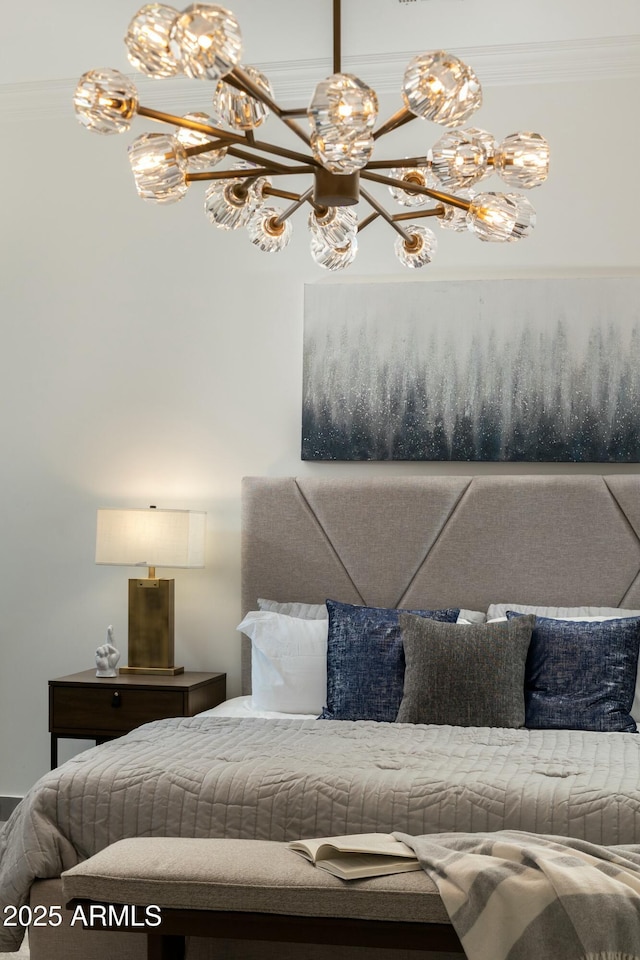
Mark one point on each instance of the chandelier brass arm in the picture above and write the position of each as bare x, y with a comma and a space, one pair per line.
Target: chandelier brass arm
380, 210
211, 146
212, 131
283, 194
294, 112
397, 120
252, 158
208, 147
432, 212
362, 224
297, 203
416, 188
252, 174
254, 90
387, 164
176, 120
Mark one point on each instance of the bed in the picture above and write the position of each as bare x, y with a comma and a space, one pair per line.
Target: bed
438, 543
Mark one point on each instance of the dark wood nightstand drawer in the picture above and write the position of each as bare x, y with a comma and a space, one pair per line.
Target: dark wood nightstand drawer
86, 707
112, 709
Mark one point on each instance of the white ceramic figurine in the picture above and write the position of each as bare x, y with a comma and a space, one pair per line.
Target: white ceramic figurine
107, 657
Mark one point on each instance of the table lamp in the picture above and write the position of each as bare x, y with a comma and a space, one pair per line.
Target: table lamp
151, 538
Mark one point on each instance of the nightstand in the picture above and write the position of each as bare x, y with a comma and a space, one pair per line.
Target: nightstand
85, 707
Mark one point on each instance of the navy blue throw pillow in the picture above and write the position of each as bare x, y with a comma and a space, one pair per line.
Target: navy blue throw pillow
581, 675
365, 660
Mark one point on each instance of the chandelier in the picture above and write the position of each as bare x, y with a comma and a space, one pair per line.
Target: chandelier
204, 42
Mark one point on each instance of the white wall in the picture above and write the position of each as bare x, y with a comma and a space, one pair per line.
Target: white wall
147, 358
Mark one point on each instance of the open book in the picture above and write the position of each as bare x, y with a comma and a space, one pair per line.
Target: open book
358, 855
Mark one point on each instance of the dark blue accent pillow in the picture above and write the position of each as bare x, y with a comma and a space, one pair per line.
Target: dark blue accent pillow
581, 675
365, 660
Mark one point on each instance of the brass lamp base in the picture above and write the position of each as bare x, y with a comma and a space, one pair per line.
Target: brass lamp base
151, 628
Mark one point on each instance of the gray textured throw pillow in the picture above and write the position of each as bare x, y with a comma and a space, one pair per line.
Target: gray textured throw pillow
467, 675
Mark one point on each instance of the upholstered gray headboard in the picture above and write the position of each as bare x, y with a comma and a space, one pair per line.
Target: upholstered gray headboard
441, 541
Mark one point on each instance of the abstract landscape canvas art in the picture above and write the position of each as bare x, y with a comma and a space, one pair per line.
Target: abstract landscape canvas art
482, 370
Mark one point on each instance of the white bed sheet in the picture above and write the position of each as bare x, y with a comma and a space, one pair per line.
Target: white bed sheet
241, 707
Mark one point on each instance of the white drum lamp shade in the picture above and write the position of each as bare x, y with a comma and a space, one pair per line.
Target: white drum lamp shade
151, 538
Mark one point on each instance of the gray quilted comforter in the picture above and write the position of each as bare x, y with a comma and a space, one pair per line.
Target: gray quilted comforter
282, 779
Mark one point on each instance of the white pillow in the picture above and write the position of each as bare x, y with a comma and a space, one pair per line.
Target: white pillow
288, 662
242, 707
560, 613
498, 611
293, 608
471, 616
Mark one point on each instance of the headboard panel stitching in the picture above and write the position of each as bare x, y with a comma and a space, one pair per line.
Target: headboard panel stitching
621, 509
326, 536
622, 513
623, 600
448, 518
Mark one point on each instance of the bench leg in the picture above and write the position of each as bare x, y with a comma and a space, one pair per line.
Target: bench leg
165, 947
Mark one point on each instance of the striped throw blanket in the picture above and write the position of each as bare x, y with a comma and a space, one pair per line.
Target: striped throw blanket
513, 895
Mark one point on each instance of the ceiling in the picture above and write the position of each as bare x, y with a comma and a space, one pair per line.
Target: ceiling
46, 46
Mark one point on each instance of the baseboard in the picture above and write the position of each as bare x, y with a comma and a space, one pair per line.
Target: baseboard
7, 806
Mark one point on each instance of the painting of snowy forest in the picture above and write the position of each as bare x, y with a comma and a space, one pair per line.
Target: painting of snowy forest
494, 370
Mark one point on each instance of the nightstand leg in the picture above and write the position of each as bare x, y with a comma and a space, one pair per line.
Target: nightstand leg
165, 947
54, 751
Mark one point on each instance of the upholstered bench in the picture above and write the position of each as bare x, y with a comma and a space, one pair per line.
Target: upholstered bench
253, 890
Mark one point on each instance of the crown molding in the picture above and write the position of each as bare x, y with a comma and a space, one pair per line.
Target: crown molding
293, 81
